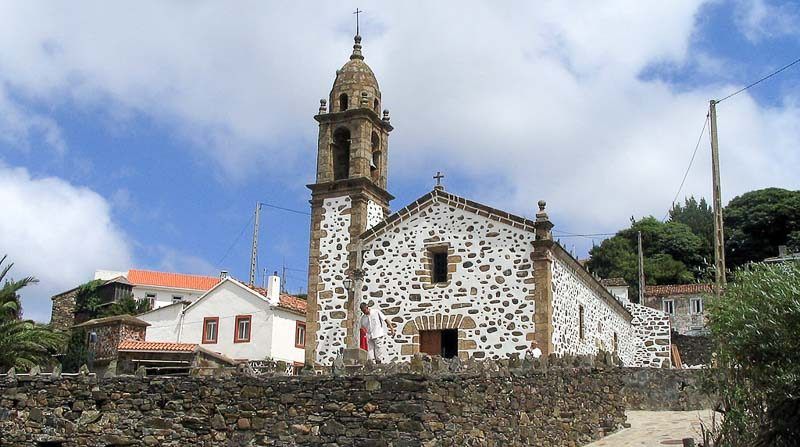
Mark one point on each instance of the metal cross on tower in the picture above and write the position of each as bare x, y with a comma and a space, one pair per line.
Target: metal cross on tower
357, 12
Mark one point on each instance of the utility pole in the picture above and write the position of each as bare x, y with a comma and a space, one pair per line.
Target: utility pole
719, 239
254, 253
641, 268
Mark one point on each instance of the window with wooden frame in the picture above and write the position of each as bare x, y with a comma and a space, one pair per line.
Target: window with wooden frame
669, 307
300, 335
581, 331
438, 263
210, 330
696, 305
243, 327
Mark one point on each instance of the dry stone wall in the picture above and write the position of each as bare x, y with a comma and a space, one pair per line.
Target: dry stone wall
601, 322
434, 402
487, 296
333, 262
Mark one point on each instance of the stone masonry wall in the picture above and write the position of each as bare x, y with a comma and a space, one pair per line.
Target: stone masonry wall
487, 296
652, 329
602, 323
333, 262
508, 403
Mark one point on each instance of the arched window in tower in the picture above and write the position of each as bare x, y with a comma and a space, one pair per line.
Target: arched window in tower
375, 163
341, 153
376, 106
343, 102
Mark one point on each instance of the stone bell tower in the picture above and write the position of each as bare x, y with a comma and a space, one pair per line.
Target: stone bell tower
348, 197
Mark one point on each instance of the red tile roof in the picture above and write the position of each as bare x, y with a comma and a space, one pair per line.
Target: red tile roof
134, 345
288, 302
678, 289
177, 280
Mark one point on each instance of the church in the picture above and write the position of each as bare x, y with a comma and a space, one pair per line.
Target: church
456, 278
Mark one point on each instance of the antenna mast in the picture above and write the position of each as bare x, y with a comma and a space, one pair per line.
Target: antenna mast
254, 253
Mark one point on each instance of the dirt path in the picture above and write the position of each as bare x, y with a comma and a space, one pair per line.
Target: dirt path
656, 428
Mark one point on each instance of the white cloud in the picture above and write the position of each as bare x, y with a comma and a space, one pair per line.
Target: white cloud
764, 19
57, 232
526, 100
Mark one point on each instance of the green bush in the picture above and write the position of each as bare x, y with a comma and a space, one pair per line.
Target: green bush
755, 327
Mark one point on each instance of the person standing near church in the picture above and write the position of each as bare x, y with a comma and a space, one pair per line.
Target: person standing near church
534, 351
377, 326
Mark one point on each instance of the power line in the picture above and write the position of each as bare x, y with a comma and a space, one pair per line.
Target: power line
241, 233
691, 161
759, 81
587, 235
285, 209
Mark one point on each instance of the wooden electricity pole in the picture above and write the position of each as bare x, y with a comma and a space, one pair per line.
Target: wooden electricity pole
719, 239
641, 269
254, 253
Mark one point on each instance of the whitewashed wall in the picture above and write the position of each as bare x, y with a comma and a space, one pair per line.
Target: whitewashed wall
331, 296
488, 297
283, 331
164, 323
164, 295
652, 329
375, 214
601, 320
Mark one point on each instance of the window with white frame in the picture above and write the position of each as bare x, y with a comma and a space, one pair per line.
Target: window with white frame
696, 305
176, 298
669, 307
243, 327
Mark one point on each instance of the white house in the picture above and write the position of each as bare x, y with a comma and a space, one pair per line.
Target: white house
238, 321
162, 288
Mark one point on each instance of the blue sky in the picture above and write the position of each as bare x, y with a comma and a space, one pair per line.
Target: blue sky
142, 134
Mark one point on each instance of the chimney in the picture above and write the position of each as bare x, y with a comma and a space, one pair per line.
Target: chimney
274, 288
223, 274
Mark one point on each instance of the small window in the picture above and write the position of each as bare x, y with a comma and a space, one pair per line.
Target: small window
210, 330
439, 267
376, 106
242, 334
616, 344
343, 102
580, 322
300, 335
669, 307
696, 305
176, 298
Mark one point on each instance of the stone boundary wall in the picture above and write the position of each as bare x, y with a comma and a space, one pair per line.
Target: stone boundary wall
490, 403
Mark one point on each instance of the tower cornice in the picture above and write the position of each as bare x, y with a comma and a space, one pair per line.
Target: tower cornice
354, 113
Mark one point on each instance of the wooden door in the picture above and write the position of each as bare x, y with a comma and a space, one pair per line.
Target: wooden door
430, 342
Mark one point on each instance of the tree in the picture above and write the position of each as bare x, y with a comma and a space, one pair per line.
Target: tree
672, 253
757, 222
699, 217
23, 343
10, 305
754, 329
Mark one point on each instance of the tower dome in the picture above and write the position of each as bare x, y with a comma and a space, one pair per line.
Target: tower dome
355, 85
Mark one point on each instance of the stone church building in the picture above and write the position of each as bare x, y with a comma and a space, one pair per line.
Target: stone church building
456, 277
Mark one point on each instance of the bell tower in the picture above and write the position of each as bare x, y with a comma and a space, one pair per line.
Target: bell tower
348, 197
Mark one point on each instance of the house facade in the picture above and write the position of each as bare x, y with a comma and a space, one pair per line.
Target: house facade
456, 277
236, 320
684, 303
162, 288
